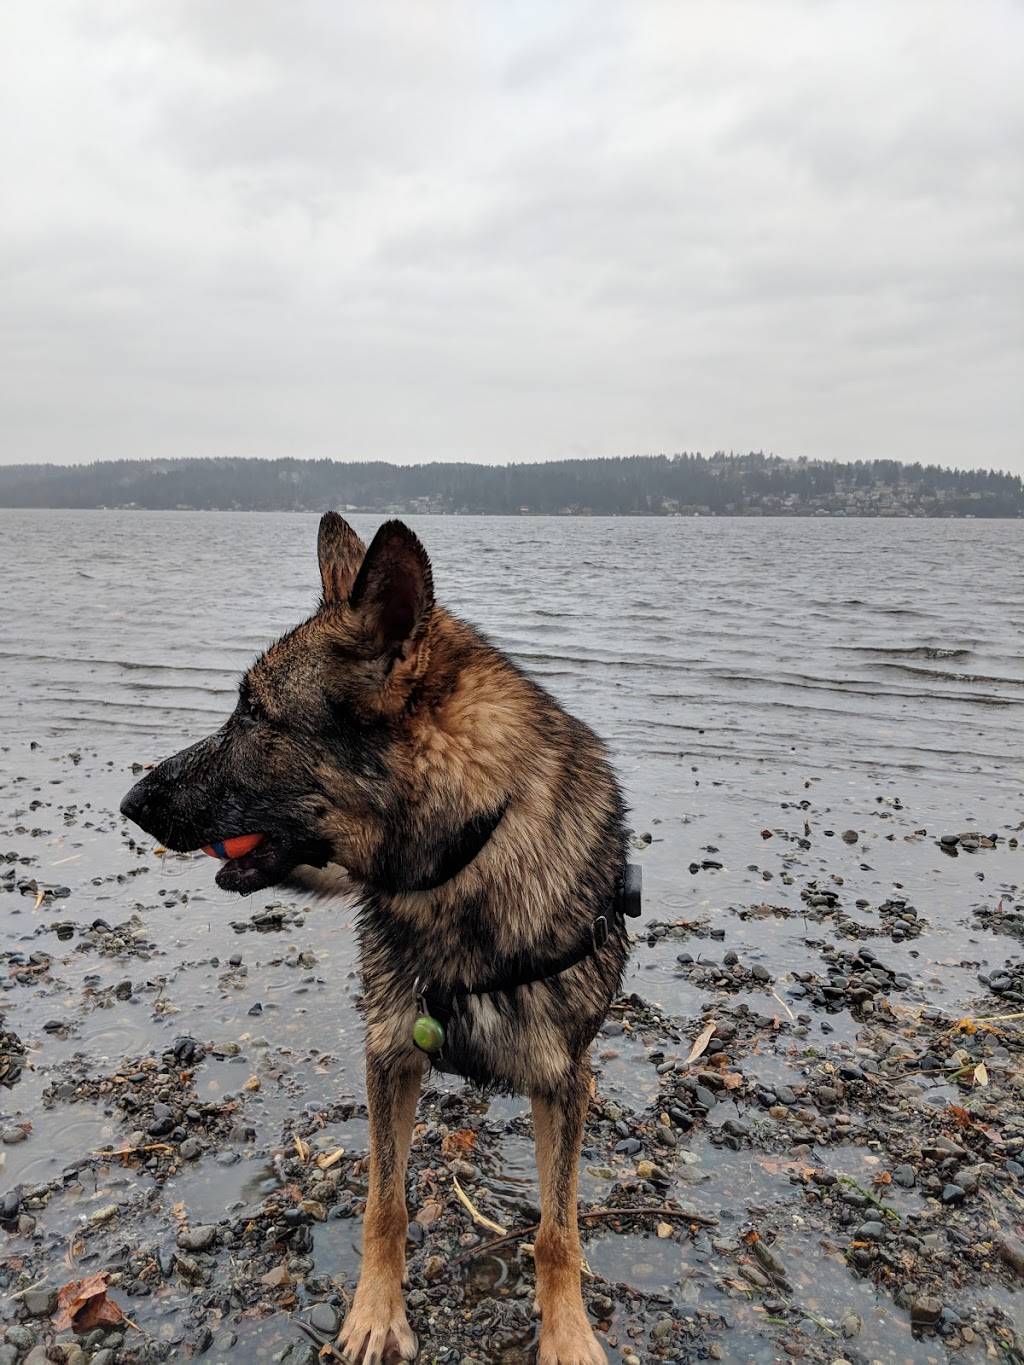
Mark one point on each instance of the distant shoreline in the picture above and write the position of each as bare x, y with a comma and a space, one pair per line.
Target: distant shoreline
683, 485
524, 516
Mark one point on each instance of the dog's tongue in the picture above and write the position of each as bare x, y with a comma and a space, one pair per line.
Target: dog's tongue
234, 848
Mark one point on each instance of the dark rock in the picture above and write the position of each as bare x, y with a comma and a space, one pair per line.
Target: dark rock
39, 1303
872, 1231
325, 1318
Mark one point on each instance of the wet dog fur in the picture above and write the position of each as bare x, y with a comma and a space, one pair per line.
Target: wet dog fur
363, 745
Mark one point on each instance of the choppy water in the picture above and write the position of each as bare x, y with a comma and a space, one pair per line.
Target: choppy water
893, 646
871, 671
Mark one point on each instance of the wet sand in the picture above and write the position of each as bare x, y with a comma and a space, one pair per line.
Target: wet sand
839, 1175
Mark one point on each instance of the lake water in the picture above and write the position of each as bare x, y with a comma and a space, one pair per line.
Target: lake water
801, 677
889, 646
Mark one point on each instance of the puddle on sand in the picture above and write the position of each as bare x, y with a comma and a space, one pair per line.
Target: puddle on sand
59, 1139
624, 1072
208, 1189
647, 1263
337, 1249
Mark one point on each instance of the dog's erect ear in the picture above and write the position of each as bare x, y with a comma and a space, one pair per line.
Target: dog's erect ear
340, 552
394, 590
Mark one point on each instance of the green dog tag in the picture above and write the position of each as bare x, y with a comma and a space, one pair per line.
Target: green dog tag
428, 1034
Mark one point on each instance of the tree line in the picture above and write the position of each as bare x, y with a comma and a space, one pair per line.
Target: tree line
720, 484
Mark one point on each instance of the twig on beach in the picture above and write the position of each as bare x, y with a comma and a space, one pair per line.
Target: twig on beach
776, 996
475, 1213
595, 1215
132, 1151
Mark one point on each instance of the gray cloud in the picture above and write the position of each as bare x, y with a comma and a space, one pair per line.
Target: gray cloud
486, 231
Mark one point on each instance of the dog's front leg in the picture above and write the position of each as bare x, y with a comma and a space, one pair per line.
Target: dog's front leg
376, 1328
566, 1337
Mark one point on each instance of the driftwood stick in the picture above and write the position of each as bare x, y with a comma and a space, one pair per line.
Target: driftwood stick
594, 1216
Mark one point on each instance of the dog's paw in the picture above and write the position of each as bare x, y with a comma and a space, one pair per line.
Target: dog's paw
376, 1331
569, 1342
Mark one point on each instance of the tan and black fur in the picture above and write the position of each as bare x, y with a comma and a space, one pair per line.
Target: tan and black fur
364, 744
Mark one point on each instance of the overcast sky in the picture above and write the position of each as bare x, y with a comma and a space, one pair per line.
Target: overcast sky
511, 230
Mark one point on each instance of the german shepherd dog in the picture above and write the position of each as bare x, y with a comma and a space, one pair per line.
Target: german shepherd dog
384, 747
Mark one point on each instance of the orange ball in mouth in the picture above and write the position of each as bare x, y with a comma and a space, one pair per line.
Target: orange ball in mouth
234, 848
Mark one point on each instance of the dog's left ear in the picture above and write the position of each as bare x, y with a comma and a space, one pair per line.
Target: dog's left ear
394, 590
340, 552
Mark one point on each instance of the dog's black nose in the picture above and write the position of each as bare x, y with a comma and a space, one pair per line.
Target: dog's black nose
135, 803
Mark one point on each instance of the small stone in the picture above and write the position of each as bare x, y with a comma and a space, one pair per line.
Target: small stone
925, 1312
39, 1303
280, 1275
1012, 1252
197, 1238
906, 1176
850, 836
870, 1232
952, 1194
325, 1318
851, 1324
664, 1230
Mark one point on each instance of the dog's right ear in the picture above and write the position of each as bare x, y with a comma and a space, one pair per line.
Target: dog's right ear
341, 553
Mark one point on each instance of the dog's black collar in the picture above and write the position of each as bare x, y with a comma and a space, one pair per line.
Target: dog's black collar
526, 971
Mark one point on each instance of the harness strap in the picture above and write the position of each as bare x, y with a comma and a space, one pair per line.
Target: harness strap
523, 971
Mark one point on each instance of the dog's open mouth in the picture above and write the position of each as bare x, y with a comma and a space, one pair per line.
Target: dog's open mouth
265, 862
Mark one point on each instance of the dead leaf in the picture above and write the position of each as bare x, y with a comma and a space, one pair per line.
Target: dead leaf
981, 1074
280, 1275
83, 1305
700, 1042
732, 1080
458, 1144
